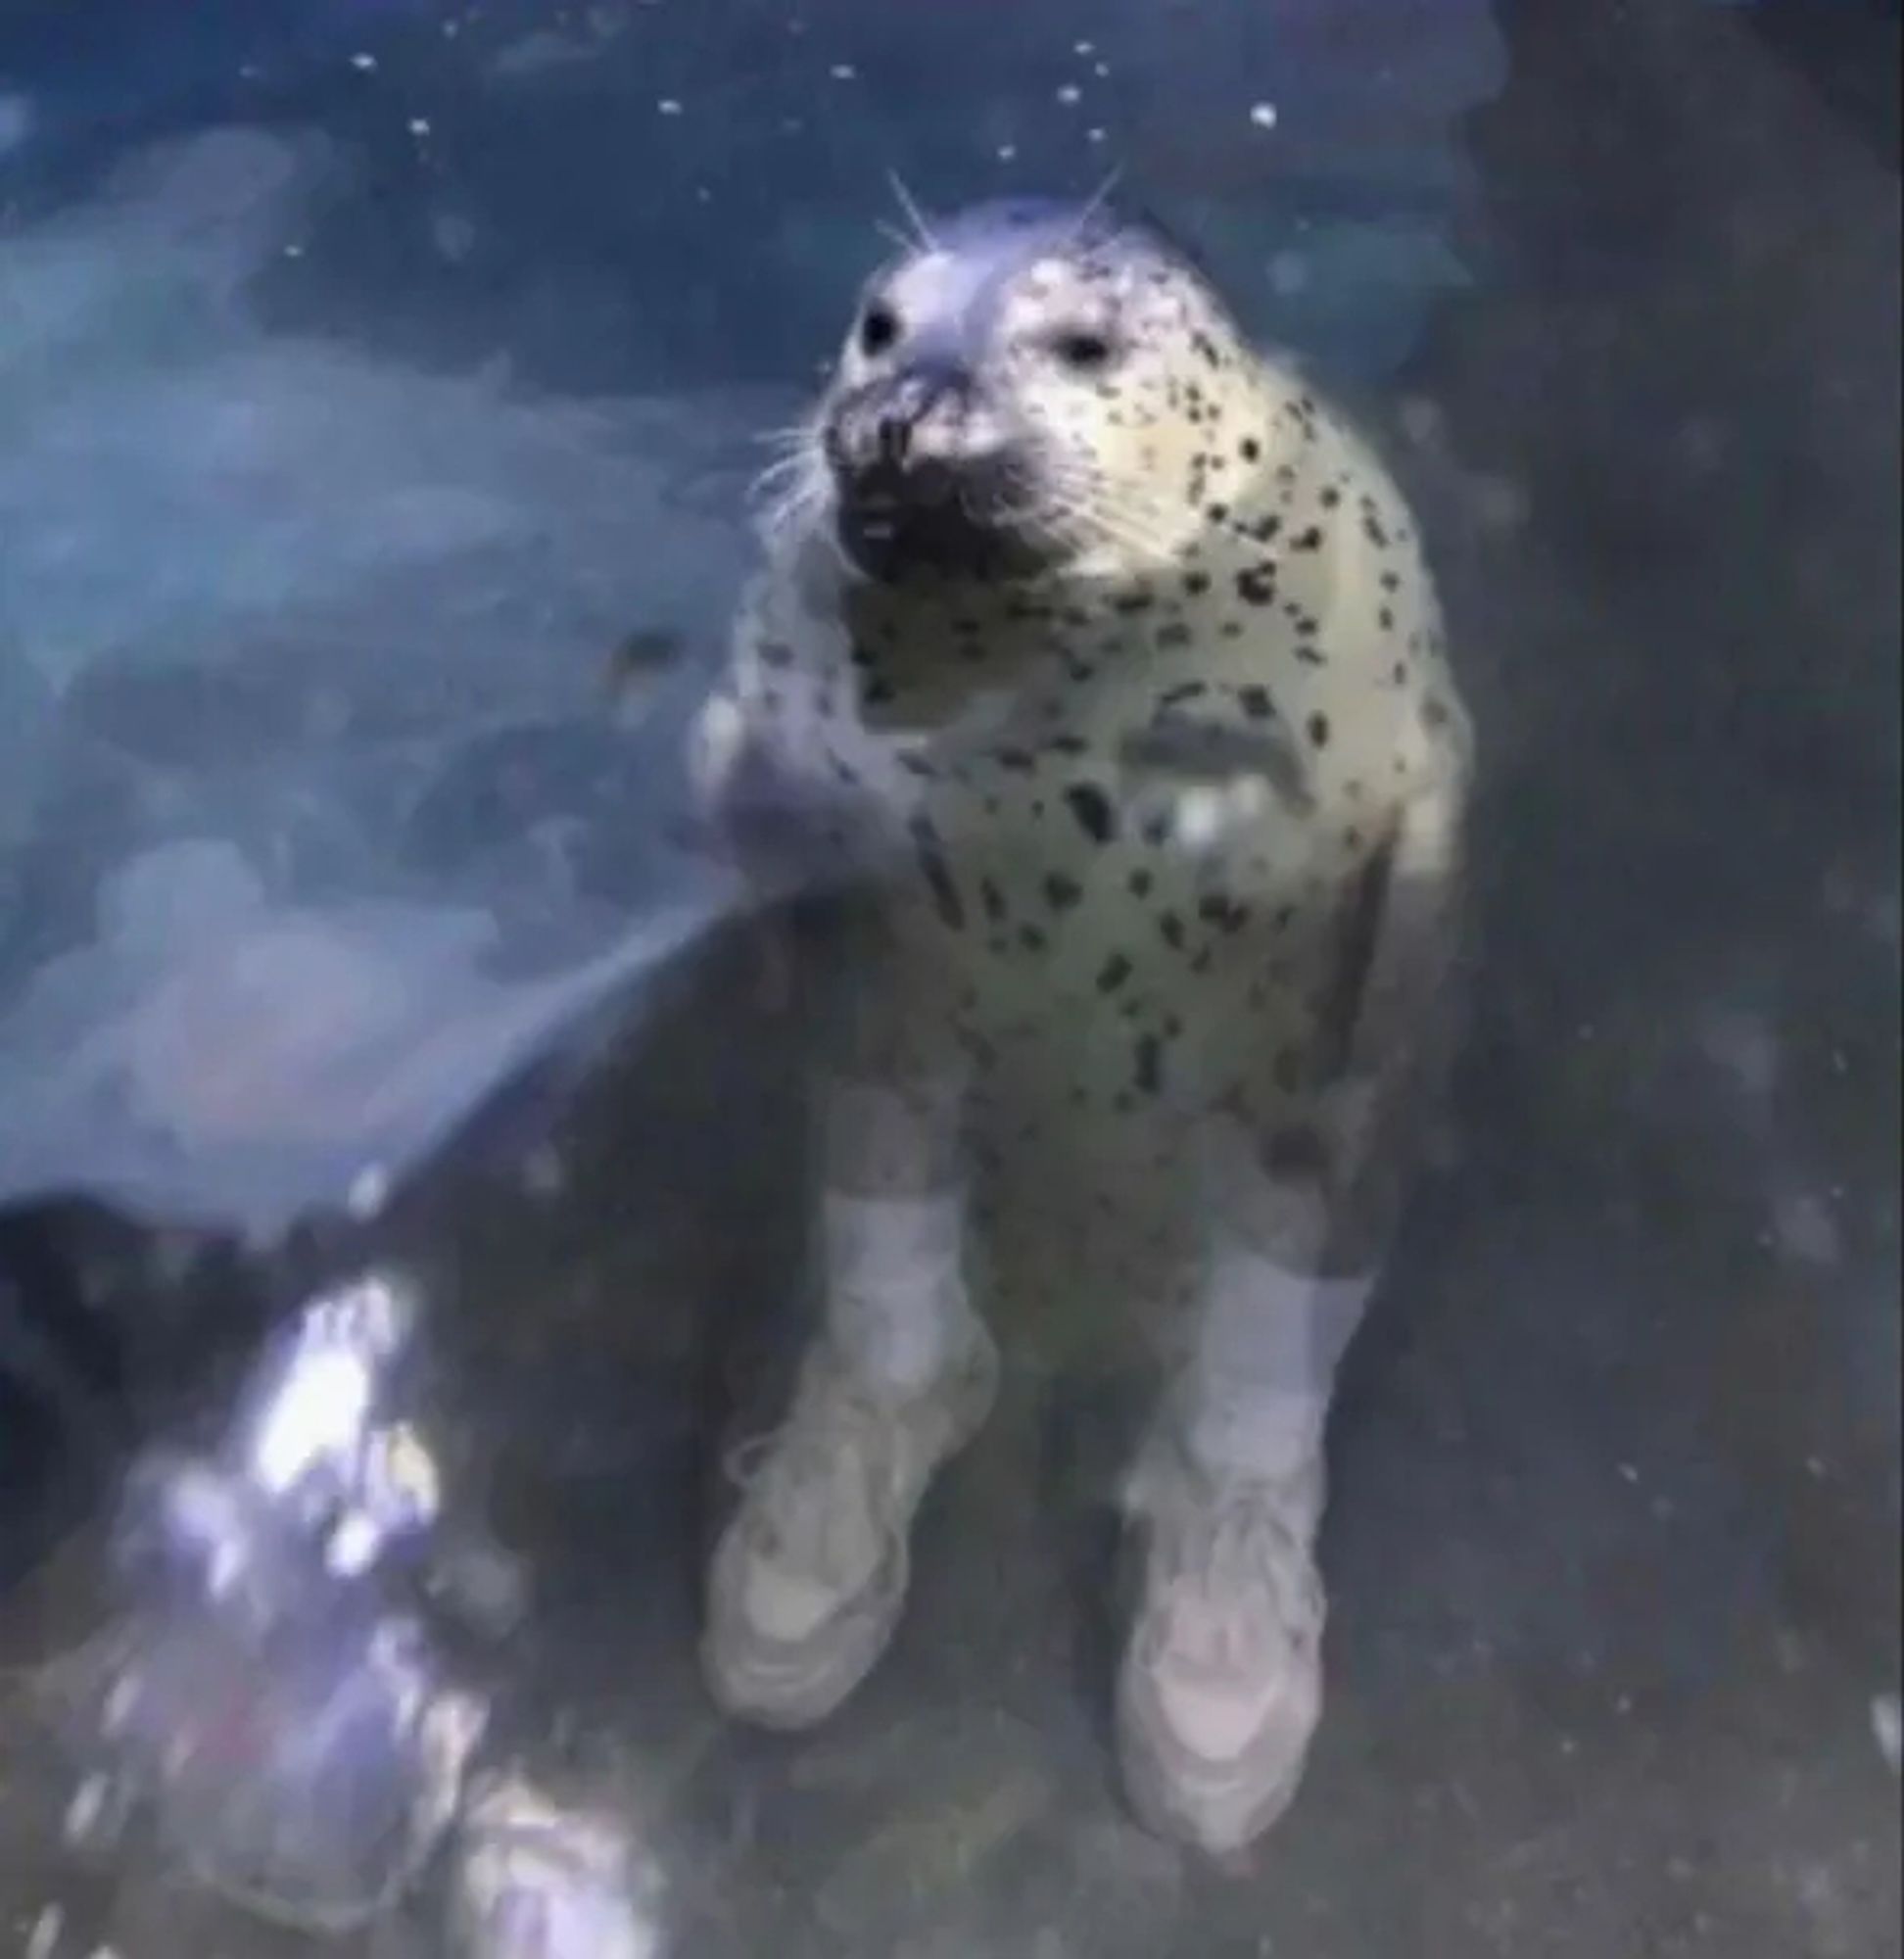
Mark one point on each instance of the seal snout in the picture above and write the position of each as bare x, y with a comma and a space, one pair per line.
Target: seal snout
923, 469
911, 431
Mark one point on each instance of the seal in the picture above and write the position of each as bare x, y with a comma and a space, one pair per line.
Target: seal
1097, 657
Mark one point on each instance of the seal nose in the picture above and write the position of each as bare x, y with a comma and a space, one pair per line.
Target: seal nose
909, 420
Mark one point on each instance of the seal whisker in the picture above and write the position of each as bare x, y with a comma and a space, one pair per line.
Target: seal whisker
1096, 201
793, 435
922, 237
775, 473
1068, 497
1090, 525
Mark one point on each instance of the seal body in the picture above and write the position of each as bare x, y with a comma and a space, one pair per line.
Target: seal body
1125, 814
1096, 670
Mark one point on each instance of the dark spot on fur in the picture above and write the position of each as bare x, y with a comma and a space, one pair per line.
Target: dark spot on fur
1295, 1153
1112, 972
1062, 892
1319, 730
939, 881
1149, 1063
1092, 809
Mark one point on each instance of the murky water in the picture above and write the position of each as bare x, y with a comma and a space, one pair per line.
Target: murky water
369, 375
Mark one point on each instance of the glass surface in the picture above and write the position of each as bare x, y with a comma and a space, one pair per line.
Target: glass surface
403, 1144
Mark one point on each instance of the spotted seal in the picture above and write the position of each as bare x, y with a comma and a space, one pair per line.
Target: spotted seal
1105, 652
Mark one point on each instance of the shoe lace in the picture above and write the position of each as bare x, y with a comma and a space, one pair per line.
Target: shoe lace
818, 1480
1237, 1569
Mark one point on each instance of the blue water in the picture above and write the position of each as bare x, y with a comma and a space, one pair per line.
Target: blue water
370, 371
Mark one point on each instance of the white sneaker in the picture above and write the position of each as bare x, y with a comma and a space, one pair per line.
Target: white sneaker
809, 1577
1221, 1684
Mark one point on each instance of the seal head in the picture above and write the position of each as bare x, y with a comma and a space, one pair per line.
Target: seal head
1009, 395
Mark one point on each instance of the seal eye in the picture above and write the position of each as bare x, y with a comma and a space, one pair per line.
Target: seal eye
878, 328
1083, 353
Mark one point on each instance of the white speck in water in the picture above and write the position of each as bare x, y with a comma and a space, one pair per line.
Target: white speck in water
1806, 1230
1101, 70
1422, 420
1264, 115
544, 1172
88, 1806
455, 235
17, 122
1741, 1043
1628, 1473
1007, 152
1094, 136
1888, 1729
363, 64
1069, 94
120, 1699
45, 1933
1289, 272
668, 105
1083, 48
1500, 503
370, 1192
353, 1546
294, 251
419, 126
843, 71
